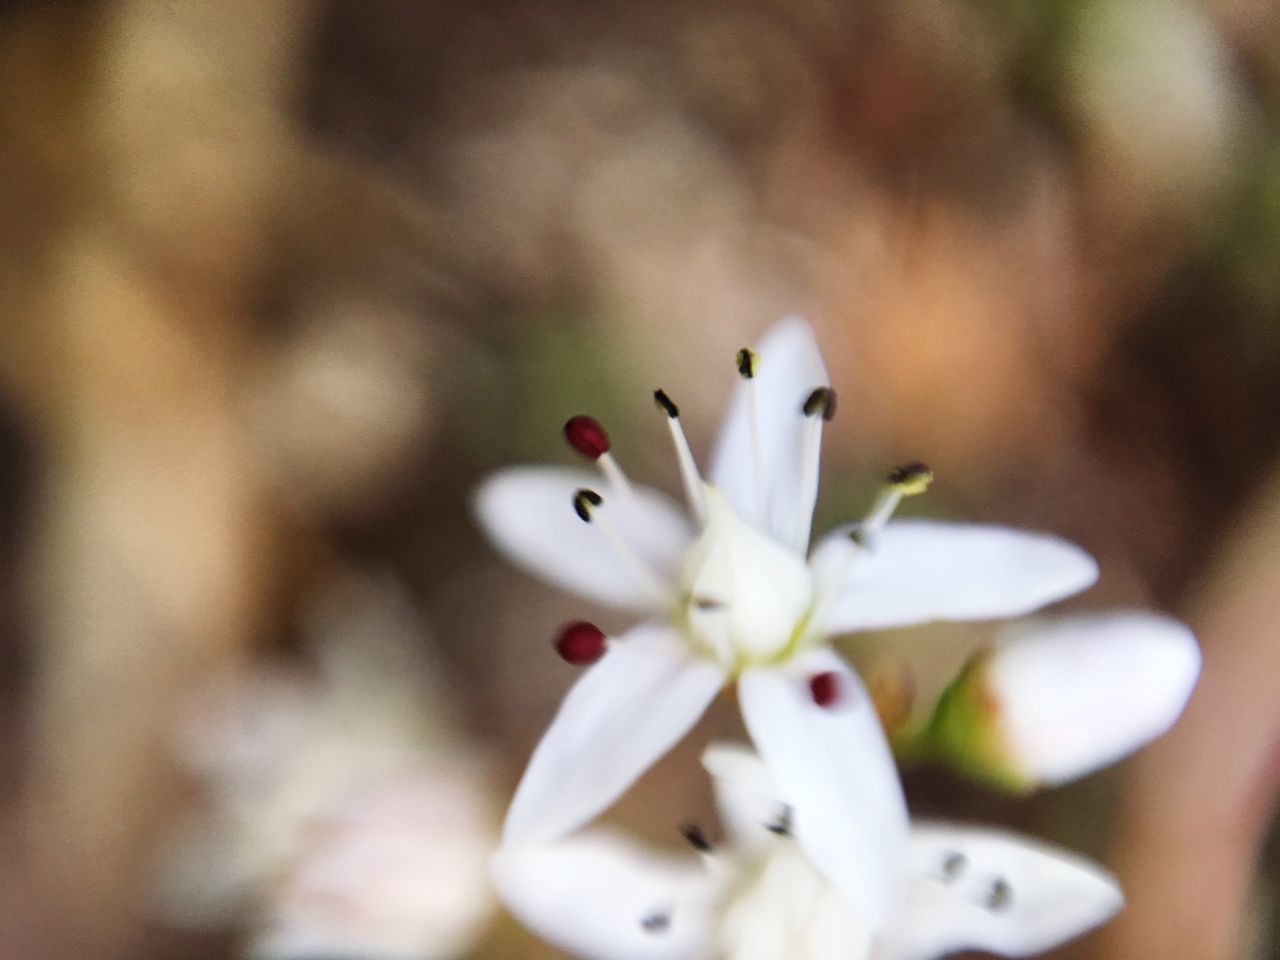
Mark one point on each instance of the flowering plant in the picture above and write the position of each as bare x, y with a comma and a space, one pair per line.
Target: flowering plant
759, 897
733, 592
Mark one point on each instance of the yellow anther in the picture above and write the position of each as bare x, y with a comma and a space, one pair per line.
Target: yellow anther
910, 479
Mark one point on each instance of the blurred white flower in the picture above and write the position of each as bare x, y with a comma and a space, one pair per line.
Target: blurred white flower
397, 872
759, 897
737, 595
345, 818
1058, 698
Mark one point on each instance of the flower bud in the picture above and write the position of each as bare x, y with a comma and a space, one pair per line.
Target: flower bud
1058, 699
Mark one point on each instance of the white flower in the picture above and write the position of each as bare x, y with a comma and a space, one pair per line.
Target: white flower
732, 592
396, 871
1057, 698
759, 897
344, 817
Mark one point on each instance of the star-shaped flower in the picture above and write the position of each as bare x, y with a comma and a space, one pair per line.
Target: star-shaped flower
760, 897
733, 592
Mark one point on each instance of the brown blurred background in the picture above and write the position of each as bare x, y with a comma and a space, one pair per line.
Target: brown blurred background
280, 280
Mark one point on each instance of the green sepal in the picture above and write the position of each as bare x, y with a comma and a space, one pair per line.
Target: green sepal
965, 732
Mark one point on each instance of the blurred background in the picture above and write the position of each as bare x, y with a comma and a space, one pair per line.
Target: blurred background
281, 280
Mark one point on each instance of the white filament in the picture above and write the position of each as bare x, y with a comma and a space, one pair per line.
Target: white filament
802, 514
614, 474
757, 453
645, 576
689, 476
863, 539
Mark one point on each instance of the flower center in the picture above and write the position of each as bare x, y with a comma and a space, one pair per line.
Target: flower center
744, 595
782, 907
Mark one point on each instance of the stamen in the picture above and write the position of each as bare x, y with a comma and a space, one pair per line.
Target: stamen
696, 837
587, 436
583, 501
826, 689
1001, 896
748, 362
664, 403
581, 643
656, 923
818, 409
821, 401
613, 473
953, 866
783, 825
689, 477
911, 479
590, 439
905, 481
587, 505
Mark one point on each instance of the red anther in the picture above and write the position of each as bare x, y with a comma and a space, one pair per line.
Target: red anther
581, 643
825, 688
587, 437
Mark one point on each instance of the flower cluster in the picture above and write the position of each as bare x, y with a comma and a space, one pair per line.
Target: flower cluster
732, 592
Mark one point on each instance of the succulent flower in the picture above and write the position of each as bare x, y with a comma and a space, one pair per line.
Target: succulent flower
733, 592
759, 896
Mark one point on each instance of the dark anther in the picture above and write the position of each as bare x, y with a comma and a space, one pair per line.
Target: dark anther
858, 537
708, 604
696, 837
583, 501
953, 866
912, 477
1001, 895
781, 826
748, 363
821, 401
665, 405
656, 923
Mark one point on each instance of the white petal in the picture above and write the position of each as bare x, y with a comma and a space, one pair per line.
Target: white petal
528, 513
918, 570
974, 889
791, 368
784, 908
591, 895
746, 796
620, 717
1078, 693
790, 909
833, 767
